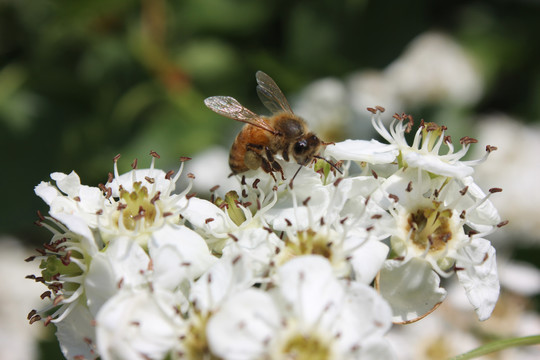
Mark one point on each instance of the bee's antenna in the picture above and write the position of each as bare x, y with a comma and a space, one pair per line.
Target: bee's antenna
329, 162
296, 173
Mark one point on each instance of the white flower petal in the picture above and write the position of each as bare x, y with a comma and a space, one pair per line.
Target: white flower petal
308, 285
485, 216
226, 277
47, 192
412, 289
76, 334
434, 164
256, 246
364, 314
243, 325
377, 349
298, 215
137, 325
199, 210
122, 265
178, 253
367, 260
372, 151
80, 227
478, 275
68, 184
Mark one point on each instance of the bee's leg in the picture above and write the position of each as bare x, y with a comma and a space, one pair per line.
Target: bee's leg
285, 154
267, 167
255, 159
273, 162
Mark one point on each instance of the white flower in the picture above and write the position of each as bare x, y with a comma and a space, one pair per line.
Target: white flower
140, 202
368, 87
231, 228
341, 225
146, 294
70, 197
138, 324
64, 263
518, 146
19, 340
430, 216
211, 167
133, 242
435, 68
225, 278
325, 103
424, 151
133, 204
310, 314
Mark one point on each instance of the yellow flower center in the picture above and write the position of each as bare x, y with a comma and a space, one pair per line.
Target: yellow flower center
307, 242
305, 347
430, 227
196, 343
136, 205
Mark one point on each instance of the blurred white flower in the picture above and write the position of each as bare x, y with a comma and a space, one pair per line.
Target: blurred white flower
451, 330
435, 68
370, 88
211, 169
18, 341
520, 277
518, 148
433, 338
325, 103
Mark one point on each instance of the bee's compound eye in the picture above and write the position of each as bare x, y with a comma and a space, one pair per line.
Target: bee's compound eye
300, 146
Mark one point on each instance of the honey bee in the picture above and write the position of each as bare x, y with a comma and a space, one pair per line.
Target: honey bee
263, 137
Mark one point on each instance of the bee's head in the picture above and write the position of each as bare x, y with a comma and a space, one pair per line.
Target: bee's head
306, 148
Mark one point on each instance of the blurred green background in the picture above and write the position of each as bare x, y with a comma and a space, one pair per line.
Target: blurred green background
81, 81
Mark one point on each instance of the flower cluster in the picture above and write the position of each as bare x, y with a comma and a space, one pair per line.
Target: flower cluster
273, 269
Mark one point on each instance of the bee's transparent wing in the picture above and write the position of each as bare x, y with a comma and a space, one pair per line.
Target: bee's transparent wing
271, 95
231, 108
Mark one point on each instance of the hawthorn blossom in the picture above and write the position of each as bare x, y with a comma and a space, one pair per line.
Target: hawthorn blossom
434, 67
229, 227
309, 314
430, 240
138, 324
207, 295
423, 153
112, 240
342, 225
272, 265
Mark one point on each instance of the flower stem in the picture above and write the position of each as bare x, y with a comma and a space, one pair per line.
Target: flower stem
498, 346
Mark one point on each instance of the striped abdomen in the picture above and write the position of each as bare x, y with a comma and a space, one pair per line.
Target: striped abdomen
248, 135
